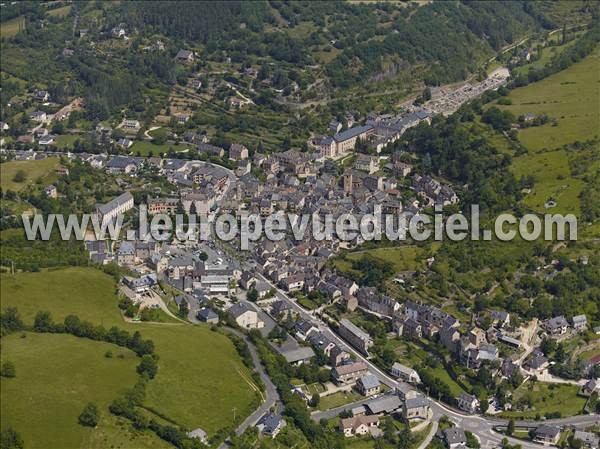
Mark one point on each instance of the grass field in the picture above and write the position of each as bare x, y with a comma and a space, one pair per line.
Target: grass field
60, 12
12, 27
33, 169
548, 398
66, 140
150, 149
53, 385
403, 258
337, 399
197, 366
552, 180
570, 97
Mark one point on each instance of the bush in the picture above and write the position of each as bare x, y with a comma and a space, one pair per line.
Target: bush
90, 415
20, 176
8, 369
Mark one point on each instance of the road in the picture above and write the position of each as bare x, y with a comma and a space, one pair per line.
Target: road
482, 427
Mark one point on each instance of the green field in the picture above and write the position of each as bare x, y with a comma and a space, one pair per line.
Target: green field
552, 180
146, 148
548, 398
196, 367
66, 140
338, 399
12, 27
53, 384
34, 170
403, 258
570, 97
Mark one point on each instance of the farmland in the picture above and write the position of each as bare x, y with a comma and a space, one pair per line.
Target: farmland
196, 366
33, 170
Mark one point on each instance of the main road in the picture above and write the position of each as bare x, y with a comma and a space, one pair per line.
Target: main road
481, 426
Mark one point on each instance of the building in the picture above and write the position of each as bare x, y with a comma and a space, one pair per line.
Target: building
368, 385
454, 437
358, 425
588, 439
38, 116
416, 408
207, 315
270, 424
557, 325
546, 435
579, 323
385, 404
355, 336
115, 207
238, 152
468, 403
245, 317
51, 191
405, 373
185, 56
343, 142
130, 126
141, 284
346, 374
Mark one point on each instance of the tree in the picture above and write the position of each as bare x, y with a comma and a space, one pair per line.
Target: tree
315, 399
203, 256
10, 321
43, 322
183, 308
252, 295
148, 366
510, 429
20, 176
8, 369
10, 439
90, 415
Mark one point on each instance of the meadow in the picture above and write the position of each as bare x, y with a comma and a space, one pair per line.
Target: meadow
197, 366
548, 398
570, 97
38, 169
56, 376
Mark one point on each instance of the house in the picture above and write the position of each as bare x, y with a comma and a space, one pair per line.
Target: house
579, 322
468, 403
125, 143
199, 434
41, 95
207, 315
385, 404
38, 116
281, 309
557, 325
368, 385
245, 317
546, 435
296, 355
51, 191
416, 408
335, 126
141, 284
130, 126
185, 56
61, 170
118, 32
270, 424
358, 425
454, 437
46, 140
588, 439
345, 374
126, 254
238, 152
121, 164
590, 387
337, 356
355, 336
405, 373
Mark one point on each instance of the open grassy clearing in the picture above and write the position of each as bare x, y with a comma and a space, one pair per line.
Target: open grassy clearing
60, 12
570, 96
66, 140
338, 399
146, 148
403, 258
12, 27
33, 170
57, 375
197, 366
552, 181
548, 398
